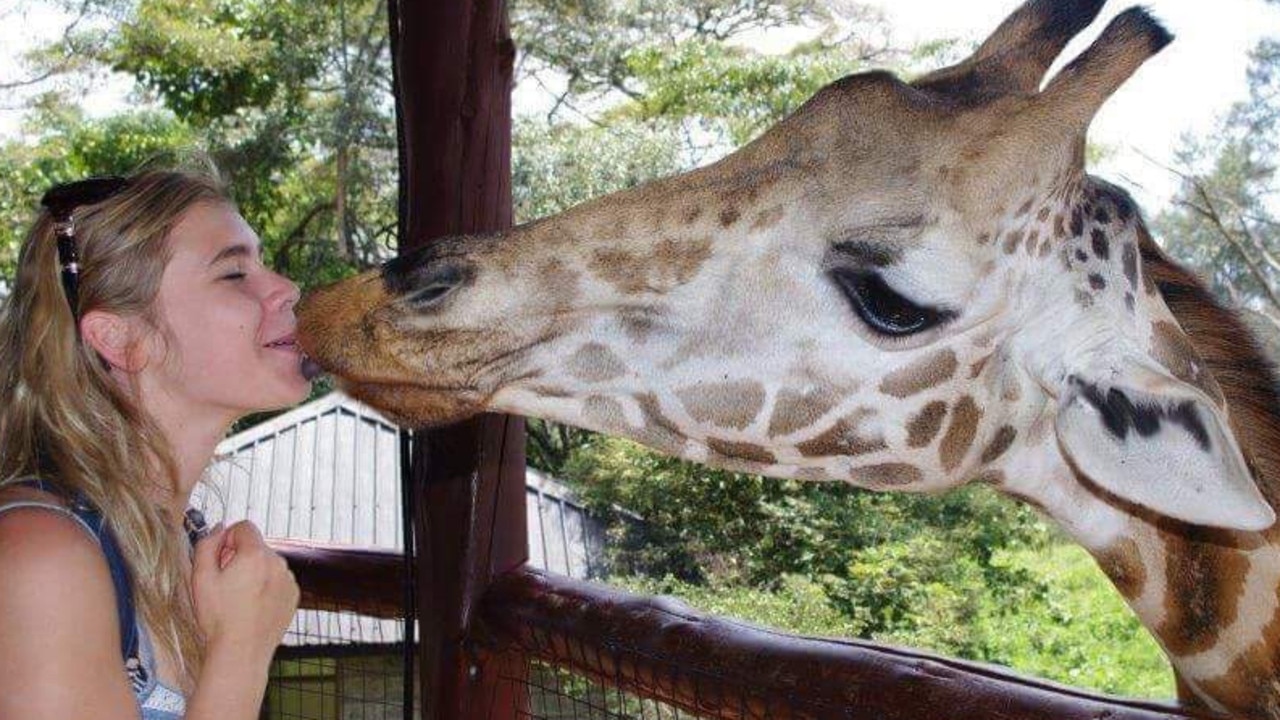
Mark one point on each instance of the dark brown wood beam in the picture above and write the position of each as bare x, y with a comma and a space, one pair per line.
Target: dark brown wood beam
661, 649
336, 577
454, 66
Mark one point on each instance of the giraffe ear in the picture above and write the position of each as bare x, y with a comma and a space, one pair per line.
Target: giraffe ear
1156, 441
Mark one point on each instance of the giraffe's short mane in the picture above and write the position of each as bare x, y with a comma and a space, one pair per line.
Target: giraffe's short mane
1247, 377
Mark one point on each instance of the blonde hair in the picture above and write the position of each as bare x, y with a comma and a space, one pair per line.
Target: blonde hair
62, 415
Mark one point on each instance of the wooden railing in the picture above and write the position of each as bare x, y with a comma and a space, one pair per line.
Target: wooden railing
370, 582
661, 649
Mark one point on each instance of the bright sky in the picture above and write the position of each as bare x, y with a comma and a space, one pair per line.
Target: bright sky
1183, 89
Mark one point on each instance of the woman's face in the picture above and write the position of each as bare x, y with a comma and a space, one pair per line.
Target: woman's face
227, 345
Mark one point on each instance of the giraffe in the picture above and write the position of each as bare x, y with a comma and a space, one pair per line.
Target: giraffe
904, 286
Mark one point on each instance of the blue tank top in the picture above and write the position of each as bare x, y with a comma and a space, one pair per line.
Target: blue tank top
156, 700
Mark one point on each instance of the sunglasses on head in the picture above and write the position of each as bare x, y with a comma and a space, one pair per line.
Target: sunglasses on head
61, 201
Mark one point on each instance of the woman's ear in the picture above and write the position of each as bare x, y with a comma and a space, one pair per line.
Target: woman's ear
114, 338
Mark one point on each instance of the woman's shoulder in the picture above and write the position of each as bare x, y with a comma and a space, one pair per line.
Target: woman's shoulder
42, 545
59, 640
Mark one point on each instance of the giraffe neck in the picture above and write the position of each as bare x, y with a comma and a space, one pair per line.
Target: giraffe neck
1210, 597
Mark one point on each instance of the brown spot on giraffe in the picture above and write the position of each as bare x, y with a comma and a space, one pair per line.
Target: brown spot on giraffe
1204, 581
1122, 563
1026, 207
1097, 282
1045, 247
561, 281
984, 238
595, 363
1059, 227
767, 218
1011, 241
1033, 237
794, 410
602, 412
668, 264
1101, 215
1129, 257
960, 433
976, 369
1077, 222
1010, 388
1101, 247
1250, 679
727, 405
929, 371
842, 438
1002, 441
692, 214
886, 475
1043, 215
659, 429
925, 425
729, 216
1081, 255
637, 324
741, 451
549, 391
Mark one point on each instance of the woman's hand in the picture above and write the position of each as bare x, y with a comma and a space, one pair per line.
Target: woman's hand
244, 594
244, 599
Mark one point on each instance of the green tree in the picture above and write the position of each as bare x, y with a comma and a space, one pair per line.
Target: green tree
1223, 220
292, 100
69, 147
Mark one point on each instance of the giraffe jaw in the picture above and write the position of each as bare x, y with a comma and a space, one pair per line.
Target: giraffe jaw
413, 405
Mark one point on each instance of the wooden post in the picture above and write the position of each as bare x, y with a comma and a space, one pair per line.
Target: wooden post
454, 62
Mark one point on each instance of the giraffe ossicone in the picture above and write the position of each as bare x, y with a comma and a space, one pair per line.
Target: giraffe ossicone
903, 286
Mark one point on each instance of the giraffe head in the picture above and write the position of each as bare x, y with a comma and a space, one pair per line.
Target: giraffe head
903, 285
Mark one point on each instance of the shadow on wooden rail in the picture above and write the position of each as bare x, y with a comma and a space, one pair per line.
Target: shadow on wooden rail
661, 649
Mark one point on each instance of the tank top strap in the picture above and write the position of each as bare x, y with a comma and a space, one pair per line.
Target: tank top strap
89, 517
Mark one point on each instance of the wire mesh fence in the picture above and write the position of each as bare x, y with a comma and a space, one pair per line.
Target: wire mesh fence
622, 686
598, 652
558, 693
338, 665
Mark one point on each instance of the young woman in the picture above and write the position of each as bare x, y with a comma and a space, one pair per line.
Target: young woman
141, 324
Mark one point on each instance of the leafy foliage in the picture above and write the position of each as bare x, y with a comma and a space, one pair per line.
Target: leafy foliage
1223, 220
68, 148
290, 100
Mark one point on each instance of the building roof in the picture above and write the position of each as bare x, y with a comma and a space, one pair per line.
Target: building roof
328, 471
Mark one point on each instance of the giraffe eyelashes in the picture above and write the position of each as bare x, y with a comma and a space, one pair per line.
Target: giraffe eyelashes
428, 285
430, 295
883, 310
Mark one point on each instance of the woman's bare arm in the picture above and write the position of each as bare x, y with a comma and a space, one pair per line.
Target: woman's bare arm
59, 640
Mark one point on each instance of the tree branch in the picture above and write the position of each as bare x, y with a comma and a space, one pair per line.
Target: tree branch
296, 236
1210, 213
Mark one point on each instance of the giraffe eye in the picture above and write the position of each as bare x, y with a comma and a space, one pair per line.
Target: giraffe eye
884, 310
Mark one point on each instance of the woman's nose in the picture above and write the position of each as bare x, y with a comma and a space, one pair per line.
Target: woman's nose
284, 292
